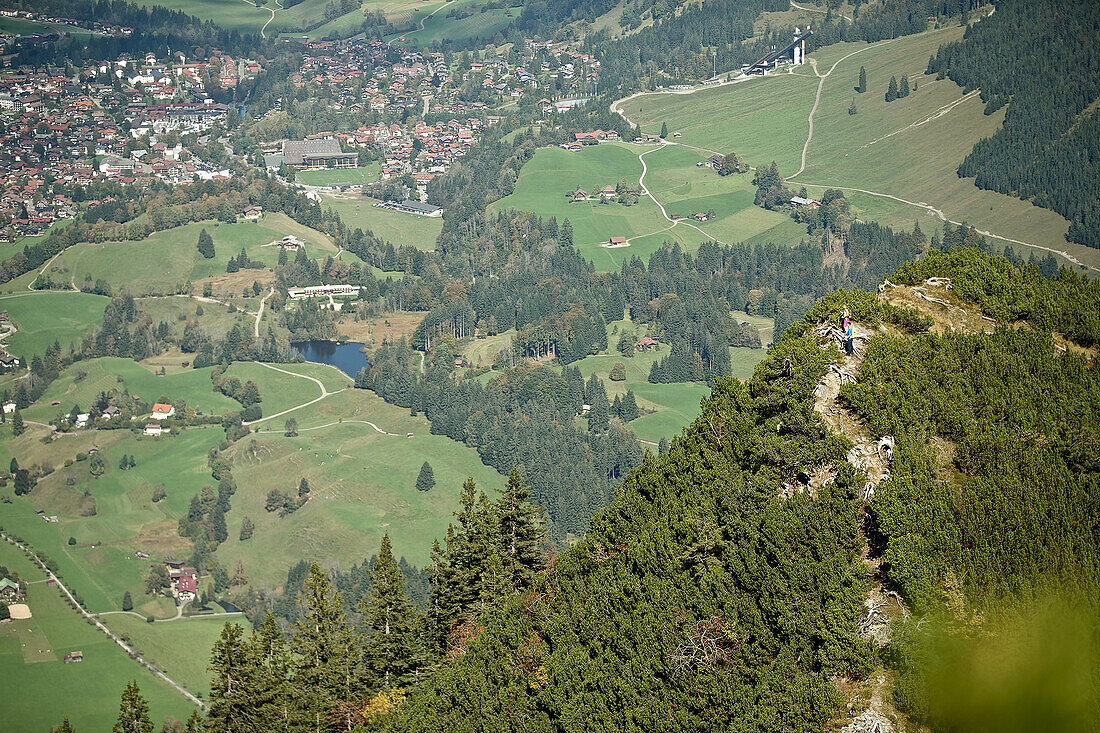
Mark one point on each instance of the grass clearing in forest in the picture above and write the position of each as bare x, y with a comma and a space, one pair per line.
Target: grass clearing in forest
181, 648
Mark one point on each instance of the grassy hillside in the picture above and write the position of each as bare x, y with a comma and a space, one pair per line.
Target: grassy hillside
483, 24
165, 261
44, 317
909, 148
671, 175
40, 689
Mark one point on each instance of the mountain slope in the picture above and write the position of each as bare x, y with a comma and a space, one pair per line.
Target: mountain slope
724, 589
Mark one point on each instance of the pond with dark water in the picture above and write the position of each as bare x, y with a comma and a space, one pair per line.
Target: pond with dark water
346, 357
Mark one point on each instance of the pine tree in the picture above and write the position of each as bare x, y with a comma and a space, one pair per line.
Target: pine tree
892, 90
664, 130
194, 723
425, 481
521, 532
598, 407
662, 446
852, 107
303, 488
217, 525
133, 712
276, 707
206, 245
65, 727
127, 602
328, 651
17, 426
390, 652
629, 410
903, 86
862, 86
233, 687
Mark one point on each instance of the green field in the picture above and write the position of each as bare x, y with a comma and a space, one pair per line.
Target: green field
38, 694
281, 391
165, 261
909, 149
82, 382
393, 226
43, 317
229, 14
181, 648
363, 486
483, 24
340, 176
672, 176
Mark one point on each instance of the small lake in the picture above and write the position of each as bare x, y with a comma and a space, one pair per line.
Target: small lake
345, 357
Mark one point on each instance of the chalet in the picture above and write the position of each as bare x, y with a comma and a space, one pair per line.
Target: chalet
9, 407
111, 412
290, 243
252, 213
700, 216
74, 657
154, 429
580, 195
646, 343
162, 411
82, 420
9, 590
715, 161
7, 360
607, 192
186, 587
617, 241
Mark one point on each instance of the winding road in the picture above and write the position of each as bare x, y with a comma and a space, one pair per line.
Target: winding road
99, 625
260, 311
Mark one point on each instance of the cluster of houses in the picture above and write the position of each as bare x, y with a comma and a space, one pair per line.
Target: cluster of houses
184, 580
91, 26
54, 123
580, 139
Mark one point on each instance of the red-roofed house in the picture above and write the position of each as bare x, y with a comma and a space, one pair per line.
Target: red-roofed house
162, 411
186, 587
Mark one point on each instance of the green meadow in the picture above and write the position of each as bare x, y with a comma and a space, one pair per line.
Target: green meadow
672, 176
181, 647
280, 391
393, 226
82, 382
36, 678
229, 14
165, 261
482, 24
909, 148
43, 317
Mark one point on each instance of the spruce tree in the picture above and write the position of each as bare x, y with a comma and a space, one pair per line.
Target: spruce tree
232, 707
247, 528
521, 532
206, 245
390, 652
598, 407
629, 407
194, 723
277, 704
328, 651
892, 90
133, 711
425, 481
17, 426
127, 602
903, 86
862, 86
664, 130
303, 488
662, 446
65, 727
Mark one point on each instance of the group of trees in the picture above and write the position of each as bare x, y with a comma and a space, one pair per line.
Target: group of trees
897, 90
523, 417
